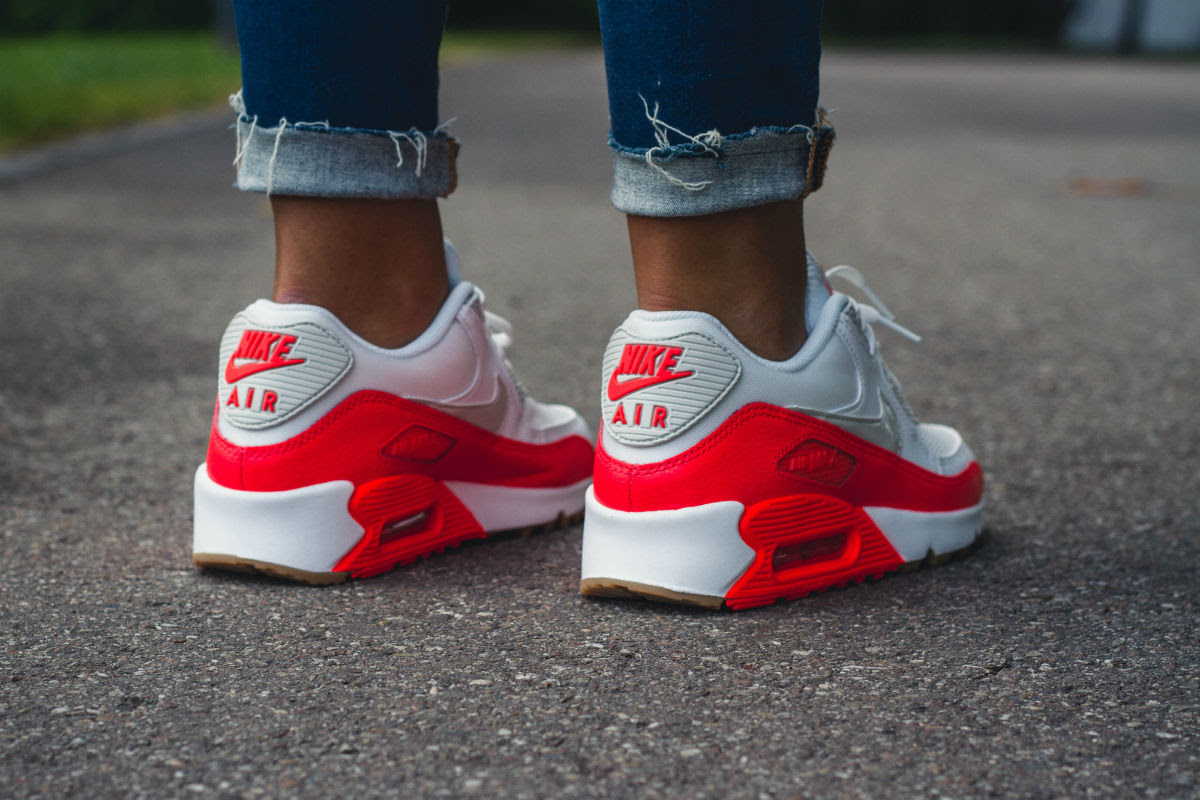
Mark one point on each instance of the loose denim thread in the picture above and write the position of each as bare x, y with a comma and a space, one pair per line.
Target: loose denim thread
283, 123
419, 142
822, 122
240, 150
239, 105
274, 154
709, 140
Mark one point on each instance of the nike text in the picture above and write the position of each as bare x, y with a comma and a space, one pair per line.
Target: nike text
654, 418
264, 350
266, 400
650, 364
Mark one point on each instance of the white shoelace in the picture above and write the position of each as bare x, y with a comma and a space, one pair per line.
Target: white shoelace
871, 314
499, 328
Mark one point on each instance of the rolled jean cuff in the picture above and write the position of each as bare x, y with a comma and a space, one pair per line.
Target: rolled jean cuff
317, 160
713, 173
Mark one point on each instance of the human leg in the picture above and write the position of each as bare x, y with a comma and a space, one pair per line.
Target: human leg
745, 267
378, 265
755, 447
366, 415
713, 106
335, 100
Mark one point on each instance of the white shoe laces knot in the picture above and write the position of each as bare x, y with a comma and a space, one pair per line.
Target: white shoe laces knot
870, 314
499, 329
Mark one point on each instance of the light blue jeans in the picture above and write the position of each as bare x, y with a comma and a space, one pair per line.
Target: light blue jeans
713, 105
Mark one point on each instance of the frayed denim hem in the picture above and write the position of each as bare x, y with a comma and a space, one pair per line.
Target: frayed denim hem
319, 160
712, 172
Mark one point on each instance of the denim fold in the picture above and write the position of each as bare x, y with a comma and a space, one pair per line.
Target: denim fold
712, 105
714, 173
317, 160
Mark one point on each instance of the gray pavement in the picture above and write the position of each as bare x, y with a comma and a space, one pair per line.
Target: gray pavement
1060, 315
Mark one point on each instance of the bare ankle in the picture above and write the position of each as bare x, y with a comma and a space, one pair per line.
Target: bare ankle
378, 265
747, 268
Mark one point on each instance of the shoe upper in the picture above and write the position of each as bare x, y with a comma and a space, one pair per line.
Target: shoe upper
672, 379
298, 393
284, 366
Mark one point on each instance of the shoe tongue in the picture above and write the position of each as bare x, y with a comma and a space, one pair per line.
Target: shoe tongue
815, 294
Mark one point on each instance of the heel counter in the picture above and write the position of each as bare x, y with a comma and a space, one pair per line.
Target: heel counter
270, 370
659, 379
271, 366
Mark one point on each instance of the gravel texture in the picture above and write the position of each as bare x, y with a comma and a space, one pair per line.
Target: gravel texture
1059, 311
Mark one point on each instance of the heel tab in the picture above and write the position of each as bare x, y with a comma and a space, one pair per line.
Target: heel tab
655, 388
269, 372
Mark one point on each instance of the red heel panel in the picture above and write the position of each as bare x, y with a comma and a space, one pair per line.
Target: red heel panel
405, 517
224, 460
806, 543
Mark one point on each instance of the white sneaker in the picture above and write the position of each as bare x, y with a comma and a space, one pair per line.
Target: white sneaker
332, 458
724, 478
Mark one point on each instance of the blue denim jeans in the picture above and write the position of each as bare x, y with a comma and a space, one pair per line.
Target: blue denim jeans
713, 104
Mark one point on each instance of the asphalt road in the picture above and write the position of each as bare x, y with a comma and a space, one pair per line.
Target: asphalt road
1060, 313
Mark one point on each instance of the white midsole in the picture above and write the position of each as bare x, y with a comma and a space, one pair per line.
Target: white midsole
699, 550
915, 533
696, 550
502, 508
311, 529
307, 528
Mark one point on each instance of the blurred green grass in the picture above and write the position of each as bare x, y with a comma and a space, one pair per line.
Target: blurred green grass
52, 87
55, 86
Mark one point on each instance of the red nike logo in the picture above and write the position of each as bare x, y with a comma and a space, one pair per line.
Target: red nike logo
651, 363
264, 350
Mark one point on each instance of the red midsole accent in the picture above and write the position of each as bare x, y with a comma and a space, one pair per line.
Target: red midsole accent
854, 548
741, 461
348, 444
425, 515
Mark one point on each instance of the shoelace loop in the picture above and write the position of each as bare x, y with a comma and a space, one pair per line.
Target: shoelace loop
499, 328
871, 314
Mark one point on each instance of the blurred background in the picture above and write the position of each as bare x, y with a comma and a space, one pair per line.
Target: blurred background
1020, 179
77, 65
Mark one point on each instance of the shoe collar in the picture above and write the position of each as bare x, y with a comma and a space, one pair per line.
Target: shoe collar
463, 294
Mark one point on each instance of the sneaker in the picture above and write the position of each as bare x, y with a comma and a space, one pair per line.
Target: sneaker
331, 458
724, 478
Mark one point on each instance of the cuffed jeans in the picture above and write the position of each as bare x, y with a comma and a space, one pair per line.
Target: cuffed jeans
713, 105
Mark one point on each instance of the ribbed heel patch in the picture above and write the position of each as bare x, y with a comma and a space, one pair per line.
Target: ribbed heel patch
655, 389
271, 373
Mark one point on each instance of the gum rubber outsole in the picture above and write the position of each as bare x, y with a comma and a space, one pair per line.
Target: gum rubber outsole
631, 590
229, 563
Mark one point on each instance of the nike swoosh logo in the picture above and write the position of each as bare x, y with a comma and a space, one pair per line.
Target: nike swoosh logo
881, 430
618, 389
235, 372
